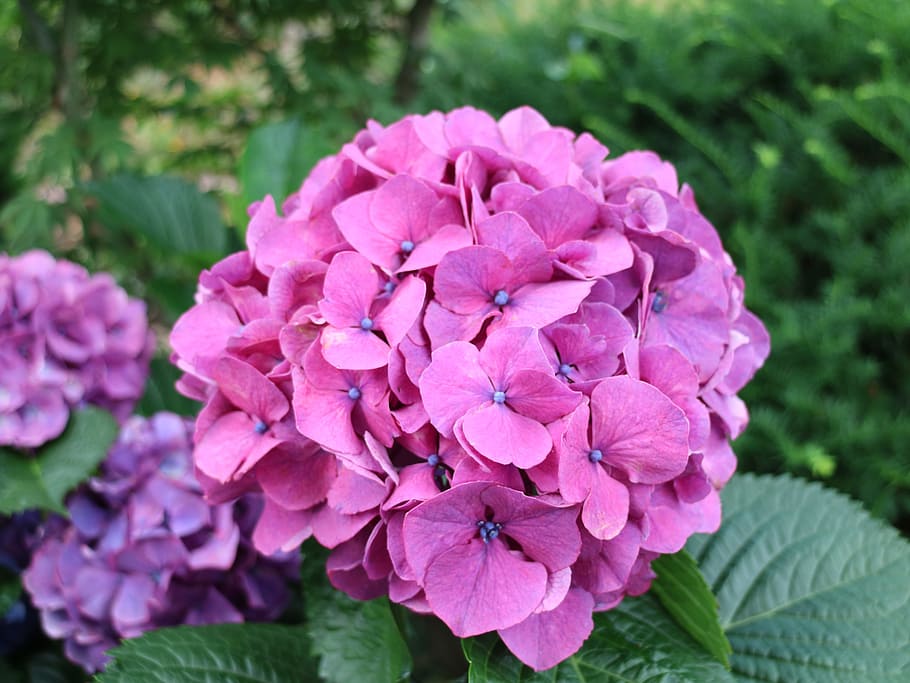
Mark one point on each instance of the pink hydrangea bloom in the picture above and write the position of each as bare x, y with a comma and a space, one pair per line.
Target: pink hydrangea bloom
67, 338
143, 550
493, 370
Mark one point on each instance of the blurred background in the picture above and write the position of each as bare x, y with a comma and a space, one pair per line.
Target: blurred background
133, 134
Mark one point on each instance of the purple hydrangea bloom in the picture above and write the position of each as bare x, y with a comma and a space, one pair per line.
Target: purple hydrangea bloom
67, 338
493, 370
144, 550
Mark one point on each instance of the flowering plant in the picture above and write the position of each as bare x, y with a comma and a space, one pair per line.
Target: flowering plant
67, 339
495, 372
144, 550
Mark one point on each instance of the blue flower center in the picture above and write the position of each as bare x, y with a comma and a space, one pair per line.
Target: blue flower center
499, 397
260, 427
407, 246
659, 303
488, 530
388, 287
366, 324
596, 455
501, 298
565, 369
433, 459
354, 393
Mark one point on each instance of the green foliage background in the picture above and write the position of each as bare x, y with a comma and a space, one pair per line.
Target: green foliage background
790, 119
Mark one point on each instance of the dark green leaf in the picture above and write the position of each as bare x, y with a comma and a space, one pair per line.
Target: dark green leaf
356, 641
160, 393
810, 587
225, 653
169, 212
682, 591
638, 642
43, 481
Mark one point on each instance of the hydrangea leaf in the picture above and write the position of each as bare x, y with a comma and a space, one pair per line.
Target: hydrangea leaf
355, 641
809, 586
227, 653
169, 212
637, 642
683, 592
44, 480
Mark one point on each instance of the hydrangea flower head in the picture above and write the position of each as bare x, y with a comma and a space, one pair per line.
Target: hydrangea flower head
144, 550
491, 368
66, 338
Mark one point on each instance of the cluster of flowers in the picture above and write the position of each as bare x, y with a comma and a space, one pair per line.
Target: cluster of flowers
144, 550
66, 338
494, 372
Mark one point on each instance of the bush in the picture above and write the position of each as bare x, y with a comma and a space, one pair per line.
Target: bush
791, 119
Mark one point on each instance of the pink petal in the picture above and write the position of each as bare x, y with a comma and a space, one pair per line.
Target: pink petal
400, 208
429, 252
510, 350
280, 529
231, 446
481, 587
540, 396
297, 478
639, 430
403, 309
576, 471
351, 284
539, 304
504, 436
324, 416
353, 219
353, 348
200, 334
545, 639
510, 233
467, 280
250, 390
560, 214
453, 384
606, 508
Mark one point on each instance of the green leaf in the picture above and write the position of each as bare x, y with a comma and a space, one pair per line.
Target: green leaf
637, 642
277, 157
226, 653
44, 480
169, 212
810, 587
682, 591
356, 641
266, 162
160, 393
